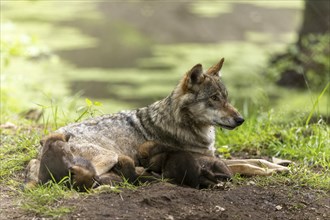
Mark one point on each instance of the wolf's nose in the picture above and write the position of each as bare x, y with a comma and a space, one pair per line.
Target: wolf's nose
239, 120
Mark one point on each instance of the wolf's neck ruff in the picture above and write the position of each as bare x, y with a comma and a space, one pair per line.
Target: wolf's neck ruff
168, 122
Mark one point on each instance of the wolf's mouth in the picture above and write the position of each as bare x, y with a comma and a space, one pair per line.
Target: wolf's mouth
226, 126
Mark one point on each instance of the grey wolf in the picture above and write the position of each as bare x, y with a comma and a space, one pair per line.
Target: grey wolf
185, 119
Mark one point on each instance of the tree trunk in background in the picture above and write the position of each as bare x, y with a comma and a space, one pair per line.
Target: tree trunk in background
302, 67
316, 18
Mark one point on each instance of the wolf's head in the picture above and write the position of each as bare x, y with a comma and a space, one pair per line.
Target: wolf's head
204, 98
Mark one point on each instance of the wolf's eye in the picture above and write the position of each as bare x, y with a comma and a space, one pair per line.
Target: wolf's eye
215, 98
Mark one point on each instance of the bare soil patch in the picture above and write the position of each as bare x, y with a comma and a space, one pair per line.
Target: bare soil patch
167, 201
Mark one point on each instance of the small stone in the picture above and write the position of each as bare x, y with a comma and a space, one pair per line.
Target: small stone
219, 208
278, 207
8, 125
170, 217
251, 183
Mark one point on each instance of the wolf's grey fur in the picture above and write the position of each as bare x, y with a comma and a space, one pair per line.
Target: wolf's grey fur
184, 119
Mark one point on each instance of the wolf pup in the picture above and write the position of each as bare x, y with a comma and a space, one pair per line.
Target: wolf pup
185, 119
52, 164
182, 167
57, 161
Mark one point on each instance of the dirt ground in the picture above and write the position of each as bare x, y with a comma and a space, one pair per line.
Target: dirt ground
167, 201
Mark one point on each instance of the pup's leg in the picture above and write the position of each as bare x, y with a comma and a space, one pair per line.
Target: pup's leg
213, 170
113, 178
83, 174
32, 173
110, 178
252, 167
143, 176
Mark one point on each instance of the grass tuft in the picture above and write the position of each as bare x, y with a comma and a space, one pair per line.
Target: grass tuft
299, 176
46, 200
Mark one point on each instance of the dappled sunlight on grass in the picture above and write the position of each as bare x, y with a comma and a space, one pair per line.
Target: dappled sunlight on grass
297, 4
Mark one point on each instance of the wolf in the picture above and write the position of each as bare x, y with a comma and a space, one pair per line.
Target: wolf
182, 167
56, 161
185, 119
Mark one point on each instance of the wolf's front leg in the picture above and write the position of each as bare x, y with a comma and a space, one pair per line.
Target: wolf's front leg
254, 167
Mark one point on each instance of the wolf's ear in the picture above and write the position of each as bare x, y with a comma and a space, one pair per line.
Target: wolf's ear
195, 74
193, 77
215, 70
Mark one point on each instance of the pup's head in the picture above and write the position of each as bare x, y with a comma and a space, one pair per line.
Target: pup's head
204, 98
126, 168
54, 143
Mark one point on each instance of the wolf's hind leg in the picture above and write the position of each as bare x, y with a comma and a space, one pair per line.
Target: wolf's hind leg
102, 159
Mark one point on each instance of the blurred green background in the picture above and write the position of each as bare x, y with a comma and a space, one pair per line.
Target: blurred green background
129, 54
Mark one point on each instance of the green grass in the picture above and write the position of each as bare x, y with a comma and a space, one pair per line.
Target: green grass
306, 145
300, 176
264, 135
17, 148
46, 200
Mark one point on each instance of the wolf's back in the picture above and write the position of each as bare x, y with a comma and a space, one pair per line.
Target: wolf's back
120, 132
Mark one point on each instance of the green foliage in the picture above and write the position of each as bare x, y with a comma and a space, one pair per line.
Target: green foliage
15, 44
315, 54
90, 108
310, 59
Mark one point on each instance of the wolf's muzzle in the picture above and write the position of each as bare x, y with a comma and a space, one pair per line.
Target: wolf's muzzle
239, 120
